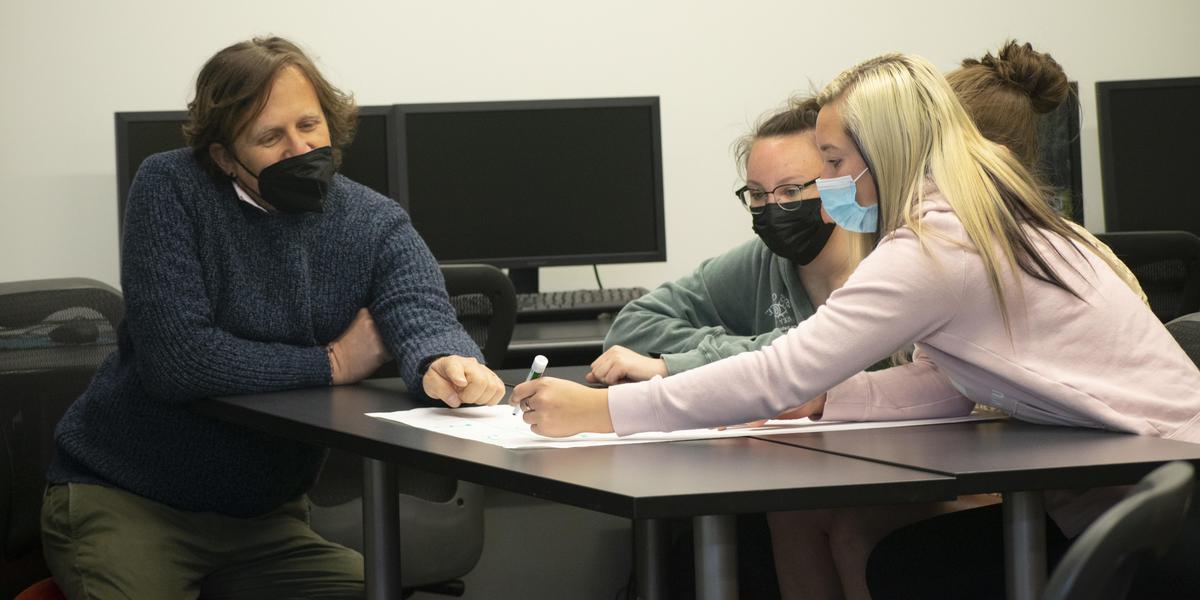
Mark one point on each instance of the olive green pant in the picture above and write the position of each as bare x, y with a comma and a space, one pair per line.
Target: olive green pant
103, 543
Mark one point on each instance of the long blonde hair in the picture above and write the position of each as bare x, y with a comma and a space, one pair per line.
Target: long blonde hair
909, 126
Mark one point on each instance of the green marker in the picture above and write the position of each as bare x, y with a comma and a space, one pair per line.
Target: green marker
535, 370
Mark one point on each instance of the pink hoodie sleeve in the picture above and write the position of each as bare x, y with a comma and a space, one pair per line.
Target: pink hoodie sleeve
913, 391
901, 293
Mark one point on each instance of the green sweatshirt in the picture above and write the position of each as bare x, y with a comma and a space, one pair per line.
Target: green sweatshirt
738, 301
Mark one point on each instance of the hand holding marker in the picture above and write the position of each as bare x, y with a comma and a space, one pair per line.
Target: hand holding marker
535, 370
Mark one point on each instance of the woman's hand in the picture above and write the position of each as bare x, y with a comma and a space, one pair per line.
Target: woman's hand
458, 380
560, 408
811, 409
620, 364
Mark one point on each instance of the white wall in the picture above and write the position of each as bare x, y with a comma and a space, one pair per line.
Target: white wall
67, 65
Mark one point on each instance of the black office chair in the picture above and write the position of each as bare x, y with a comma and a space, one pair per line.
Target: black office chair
1175, 575
441, 519
1166, 264
1186, 330
486, 304
1102, 561
54, 333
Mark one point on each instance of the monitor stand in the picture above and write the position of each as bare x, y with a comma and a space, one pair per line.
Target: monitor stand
525, 280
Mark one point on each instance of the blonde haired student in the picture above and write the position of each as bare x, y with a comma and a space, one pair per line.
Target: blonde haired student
1006, 95
1006, 303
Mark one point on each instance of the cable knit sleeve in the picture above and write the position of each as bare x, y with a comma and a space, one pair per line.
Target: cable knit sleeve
180, 355
410, 306
901, 293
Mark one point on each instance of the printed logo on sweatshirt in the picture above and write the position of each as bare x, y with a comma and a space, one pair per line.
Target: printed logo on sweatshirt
781, 310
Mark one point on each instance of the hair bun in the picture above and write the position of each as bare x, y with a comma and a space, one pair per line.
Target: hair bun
1035, 73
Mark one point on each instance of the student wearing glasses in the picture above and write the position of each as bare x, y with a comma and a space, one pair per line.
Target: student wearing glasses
747, 297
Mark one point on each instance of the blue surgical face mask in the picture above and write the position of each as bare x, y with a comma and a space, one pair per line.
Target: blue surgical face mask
837, 197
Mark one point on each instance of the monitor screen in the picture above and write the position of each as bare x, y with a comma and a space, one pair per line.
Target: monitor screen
1148, 132
139, 134
1058, 156
534, 183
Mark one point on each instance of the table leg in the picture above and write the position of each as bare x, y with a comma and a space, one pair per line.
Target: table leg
715, 543
381, 529
1024, 545
650, 539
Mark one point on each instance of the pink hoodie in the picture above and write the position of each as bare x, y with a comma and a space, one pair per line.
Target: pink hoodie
1104, 361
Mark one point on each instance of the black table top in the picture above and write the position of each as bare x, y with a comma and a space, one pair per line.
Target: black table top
1008, 455
677, 479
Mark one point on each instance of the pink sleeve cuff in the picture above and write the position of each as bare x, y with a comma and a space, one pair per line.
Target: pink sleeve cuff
848, 400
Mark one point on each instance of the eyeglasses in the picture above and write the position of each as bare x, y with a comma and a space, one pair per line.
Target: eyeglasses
786, 195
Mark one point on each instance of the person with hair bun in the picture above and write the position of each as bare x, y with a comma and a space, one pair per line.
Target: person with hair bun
248, 266
1008, 95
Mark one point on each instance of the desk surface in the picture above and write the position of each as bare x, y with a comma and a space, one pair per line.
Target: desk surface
1000, 456
679, 479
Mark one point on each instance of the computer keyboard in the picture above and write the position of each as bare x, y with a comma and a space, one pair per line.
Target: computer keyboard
582, 304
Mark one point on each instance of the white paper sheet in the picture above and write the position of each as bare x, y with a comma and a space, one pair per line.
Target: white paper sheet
497, 425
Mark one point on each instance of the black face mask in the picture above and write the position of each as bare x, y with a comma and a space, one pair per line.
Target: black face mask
297, 184
798, 235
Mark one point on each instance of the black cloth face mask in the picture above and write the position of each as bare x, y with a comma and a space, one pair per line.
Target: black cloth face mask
798, 235
297, 184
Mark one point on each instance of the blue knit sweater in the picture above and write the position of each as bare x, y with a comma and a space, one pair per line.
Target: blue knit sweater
222, 298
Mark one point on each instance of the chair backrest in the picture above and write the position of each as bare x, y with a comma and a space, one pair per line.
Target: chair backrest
1166, 264
1186, 330
486, 304
54, 333
1103, 559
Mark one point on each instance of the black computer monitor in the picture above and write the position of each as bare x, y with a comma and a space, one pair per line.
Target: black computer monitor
1148, 159
366, 160
527, 184
1058, 155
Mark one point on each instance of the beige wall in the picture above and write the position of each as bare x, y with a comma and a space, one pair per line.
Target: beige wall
68, 65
